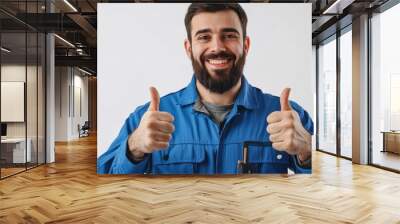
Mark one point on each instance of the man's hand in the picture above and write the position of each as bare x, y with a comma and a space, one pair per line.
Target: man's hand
154, 131
286, 131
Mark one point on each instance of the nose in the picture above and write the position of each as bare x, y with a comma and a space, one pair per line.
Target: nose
217, 45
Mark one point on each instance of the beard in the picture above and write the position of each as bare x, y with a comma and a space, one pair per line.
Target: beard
227, 78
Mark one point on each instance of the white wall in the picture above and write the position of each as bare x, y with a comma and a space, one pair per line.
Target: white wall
149, 51
68, 81
61, 103
80, 83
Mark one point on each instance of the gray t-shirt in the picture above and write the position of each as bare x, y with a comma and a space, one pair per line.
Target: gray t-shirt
216, 112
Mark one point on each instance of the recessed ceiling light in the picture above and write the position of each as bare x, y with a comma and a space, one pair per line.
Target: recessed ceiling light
64, 40
84, 71
5, 50
70, 5
337, 7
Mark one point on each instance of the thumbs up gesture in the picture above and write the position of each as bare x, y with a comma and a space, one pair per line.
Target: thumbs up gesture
154, 131
286, 131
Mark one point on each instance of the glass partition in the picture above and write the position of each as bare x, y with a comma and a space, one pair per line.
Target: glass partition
346, 94
41, 85
327, 96
22, 63
385, 89
31, 100
13, 109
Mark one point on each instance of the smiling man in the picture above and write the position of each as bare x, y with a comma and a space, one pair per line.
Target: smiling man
219, 123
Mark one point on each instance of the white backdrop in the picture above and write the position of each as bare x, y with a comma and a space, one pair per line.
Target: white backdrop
142, 45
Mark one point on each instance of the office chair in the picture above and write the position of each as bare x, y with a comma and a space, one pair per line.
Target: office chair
84, 130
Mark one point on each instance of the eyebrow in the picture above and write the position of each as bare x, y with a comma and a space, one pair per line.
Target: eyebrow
224, 30
227, 30
202, 31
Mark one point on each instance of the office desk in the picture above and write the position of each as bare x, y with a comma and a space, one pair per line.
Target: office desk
391, 141
13, 150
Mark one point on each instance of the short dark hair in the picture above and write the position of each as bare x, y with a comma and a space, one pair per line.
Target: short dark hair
196, 8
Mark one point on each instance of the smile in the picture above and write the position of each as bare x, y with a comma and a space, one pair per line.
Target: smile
219, 63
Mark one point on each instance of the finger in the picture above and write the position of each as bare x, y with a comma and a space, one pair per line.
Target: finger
155, 99
161, 136
164, 116
161, 126
275, 116
158, 145
274, 128
284, 99
275, 138
280, 146
165, 127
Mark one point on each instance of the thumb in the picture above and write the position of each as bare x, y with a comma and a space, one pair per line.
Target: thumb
285, 106
155, 99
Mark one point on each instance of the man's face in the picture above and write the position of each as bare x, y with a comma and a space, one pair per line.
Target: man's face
217, 50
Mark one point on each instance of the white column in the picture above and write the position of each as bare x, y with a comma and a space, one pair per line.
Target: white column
50, 110
50, 92
360, 90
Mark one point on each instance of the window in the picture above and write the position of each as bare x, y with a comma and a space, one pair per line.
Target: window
327, 96
385, 88
346, 94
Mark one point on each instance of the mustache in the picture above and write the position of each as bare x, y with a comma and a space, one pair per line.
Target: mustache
219, 55
227, 78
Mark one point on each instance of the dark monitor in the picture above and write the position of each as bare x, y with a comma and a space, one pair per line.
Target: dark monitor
3, 129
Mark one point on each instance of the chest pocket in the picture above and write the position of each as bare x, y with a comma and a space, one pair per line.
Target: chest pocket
265, 159
179, 159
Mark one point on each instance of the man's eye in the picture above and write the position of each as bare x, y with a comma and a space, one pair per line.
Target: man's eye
230, 36
203, 37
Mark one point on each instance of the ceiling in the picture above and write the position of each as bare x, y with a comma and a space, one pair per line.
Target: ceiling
76, 22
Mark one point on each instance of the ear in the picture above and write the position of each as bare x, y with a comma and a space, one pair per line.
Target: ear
246, 44
188, 48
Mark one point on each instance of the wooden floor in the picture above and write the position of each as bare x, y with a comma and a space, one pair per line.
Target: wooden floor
387, 159
10, 171
70, 191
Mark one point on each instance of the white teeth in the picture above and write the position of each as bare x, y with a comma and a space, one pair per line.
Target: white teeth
217, 62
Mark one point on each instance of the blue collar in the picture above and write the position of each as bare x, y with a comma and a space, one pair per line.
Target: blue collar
247, 95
